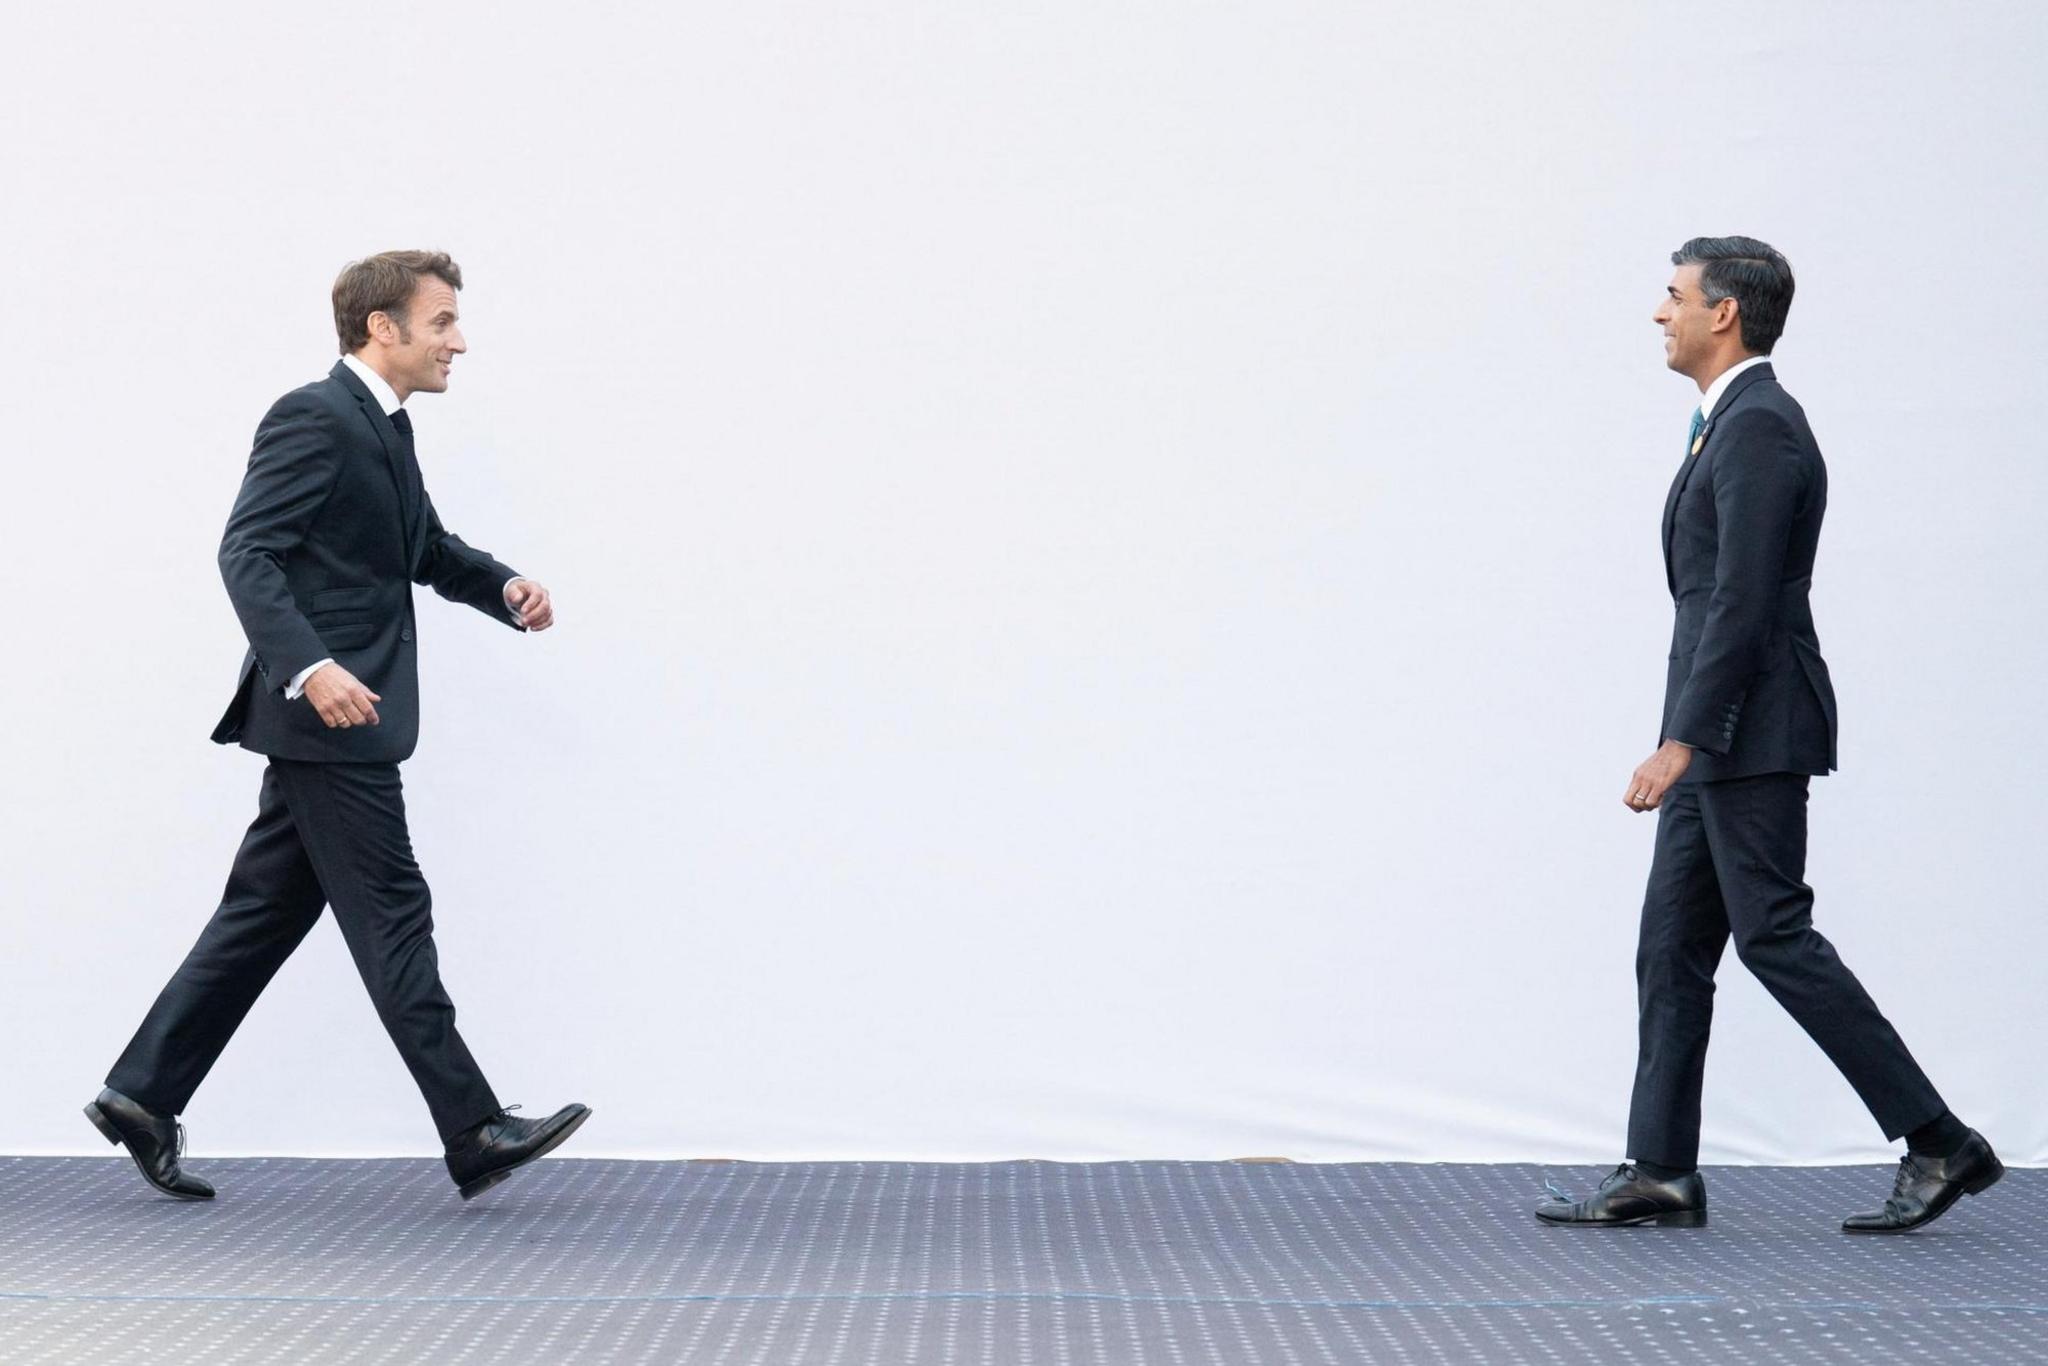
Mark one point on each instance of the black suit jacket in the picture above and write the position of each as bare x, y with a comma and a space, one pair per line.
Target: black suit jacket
332, 528
1746, 685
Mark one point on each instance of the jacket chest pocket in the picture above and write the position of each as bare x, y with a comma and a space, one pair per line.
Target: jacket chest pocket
342, 617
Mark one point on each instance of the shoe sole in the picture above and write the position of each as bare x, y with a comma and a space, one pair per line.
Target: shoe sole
489, 1179
1681, 1218
113, 1135
1976, 1187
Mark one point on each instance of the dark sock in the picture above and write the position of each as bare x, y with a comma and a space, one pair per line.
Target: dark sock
1658, 1172
1943, 1136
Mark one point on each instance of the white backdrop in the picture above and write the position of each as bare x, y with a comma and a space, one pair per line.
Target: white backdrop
1107, 557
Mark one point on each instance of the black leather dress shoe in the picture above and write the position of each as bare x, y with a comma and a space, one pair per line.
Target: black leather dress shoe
1927, 1186
155, 1141
482, 1156
1627, 1198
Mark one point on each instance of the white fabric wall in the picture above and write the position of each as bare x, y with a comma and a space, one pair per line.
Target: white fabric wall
1107, 556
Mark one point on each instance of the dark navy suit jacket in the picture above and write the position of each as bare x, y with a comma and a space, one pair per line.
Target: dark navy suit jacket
332, 528
1746, 685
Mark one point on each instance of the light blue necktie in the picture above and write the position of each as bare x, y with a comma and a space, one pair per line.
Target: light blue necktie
1699, 424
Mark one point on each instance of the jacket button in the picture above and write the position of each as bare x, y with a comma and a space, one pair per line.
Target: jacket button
406, 634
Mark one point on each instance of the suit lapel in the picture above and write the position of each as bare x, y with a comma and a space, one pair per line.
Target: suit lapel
416, 522
1678, 482
405, 475
1678, 486
1753, 375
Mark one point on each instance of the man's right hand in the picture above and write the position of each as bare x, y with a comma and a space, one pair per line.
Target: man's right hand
340, 697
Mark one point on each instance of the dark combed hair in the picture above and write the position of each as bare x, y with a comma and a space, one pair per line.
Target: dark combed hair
1754, 274
383, 283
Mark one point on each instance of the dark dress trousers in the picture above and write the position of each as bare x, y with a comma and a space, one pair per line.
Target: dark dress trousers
332, 528
1748, 690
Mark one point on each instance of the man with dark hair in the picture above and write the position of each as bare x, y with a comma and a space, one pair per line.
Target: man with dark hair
332, 528
1749, 719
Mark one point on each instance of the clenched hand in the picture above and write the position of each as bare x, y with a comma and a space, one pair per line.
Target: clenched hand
340, 698
531, 601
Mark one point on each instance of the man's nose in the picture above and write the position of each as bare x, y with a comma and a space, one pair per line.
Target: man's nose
456, 342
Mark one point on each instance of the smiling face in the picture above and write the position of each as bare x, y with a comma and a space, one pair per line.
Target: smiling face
1698, 336
415, 351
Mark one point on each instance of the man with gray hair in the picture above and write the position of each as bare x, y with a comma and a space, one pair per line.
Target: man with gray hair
1749, 720
332, 528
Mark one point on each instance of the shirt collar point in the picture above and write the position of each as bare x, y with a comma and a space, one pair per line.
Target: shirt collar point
386, 396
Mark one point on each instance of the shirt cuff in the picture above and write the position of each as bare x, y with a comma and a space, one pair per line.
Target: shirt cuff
298, 683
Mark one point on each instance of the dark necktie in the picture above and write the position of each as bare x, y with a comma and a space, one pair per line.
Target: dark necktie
1692, 438
410, 491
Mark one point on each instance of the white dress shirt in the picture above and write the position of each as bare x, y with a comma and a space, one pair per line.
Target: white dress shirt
386, 396
387, 399
1727, 377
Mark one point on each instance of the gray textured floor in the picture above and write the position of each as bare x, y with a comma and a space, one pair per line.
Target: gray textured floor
901, 1264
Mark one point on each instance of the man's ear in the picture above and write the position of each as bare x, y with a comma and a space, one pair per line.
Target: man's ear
381, 327
1727, 314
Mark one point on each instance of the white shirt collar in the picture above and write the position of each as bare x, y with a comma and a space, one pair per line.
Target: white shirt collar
386, 396
1727, 377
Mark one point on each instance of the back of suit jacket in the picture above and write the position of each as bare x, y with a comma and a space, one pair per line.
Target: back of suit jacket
1746, 685
331, 529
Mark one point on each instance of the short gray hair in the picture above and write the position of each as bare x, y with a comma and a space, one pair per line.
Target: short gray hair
1754, 274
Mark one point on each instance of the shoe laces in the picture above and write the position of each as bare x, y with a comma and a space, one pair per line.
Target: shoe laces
504, 1113
1565, 1197
1625, 1172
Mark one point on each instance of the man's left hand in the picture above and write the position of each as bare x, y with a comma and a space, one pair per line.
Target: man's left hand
1655, 775
531, 602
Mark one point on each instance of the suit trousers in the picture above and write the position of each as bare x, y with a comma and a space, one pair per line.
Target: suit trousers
1730, 861
324, 834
